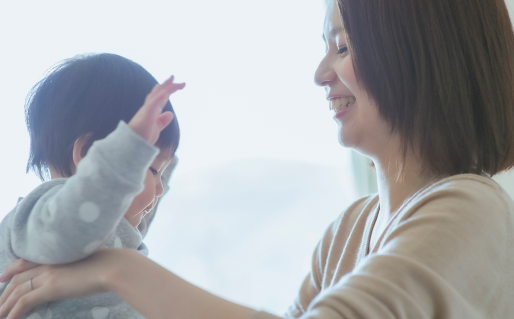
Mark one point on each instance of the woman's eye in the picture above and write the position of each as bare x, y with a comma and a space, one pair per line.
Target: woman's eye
154, 172
342, 50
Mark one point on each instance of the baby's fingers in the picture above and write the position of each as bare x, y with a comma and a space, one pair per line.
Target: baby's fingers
169, 87
164, 119
148, 122
161, 92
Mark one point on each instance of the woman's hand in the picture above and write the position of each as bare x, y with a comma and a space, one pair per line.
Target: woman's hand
19, 266
150, 289
54, 282
148, 122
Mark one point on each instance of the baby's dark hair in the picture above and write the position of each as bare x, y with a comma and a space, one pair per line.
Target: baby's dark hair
86, 96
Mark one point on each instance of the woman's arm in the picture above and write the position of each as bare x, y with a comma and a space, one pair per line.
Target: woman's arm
149, 288
161, 294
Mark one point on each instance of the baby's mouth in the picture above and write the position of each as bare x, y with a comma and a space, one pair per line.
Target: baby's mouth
341, 103
148, 209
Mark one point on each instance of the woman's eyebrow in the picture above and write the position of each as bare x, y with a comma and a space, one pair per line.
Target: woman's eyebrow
336, 31
333, 32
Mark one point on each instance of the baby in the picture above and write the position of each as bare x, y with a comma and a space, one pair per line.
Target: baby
82, 106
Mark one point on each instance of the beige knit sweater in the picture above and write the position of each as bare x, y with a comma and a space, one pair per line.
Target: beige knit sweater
447, 253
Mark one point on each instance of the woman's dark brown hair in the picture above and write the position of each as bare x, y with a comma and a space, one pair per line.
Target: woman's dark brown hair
442, 74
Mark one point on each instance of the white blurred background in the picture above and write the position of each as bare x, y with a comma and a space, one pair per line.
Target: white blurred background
261, 174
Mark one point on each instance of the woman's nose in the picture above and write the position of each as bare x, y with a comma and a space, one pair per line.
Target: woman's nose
324, 73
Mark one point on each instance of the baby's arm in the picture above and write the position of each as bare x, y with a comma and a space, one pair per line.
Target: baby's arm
61, 222
64, 222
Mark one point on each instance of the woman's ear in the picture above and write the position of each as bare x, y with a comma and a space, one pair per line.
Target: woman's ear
77, 148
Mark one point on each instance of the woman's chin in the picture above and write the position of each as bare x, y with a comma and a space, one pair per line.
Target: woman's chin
346, 141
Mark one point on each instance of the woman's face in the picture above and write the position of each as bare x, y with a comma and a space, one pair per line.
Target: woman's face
360, 125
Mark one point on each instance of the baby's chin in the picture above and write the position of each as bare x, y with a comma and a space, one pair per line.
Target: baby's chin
135, 218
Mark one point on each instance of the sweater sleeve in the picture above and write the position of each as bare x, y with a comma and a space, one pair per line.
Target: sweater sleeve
445, 261
65, 220
312, 283
322, 265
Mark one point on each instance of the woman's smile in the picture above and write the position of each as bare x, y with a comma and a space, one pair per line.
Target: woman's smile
341, 105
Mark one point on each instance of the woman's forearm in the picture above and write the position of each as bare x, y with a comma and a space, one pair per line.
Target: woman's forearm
149, 288
157, 293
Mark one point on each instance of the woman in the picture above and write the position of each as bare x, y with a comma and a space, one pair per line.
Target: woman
425, 88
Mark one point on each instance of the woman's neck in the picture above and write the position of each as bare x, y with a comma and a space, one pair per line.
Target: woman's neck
396, 186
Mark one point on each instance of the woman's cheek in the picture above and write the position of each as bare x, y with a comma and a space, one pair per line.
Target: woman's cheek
347, 74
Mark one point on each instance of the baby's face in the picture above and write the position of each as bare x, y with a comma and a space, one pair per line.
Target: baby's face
145, 201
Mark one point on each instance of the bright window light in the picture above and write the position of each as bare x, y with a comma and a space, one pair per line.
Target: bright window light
260, 175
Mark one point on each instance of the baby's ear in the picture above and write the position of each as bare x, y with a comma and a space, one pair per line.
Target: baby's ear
78, 147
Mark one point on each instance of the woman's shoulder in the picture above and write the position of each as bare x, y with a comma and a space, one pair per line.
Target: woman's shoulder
470, 190
469, 182
466, 203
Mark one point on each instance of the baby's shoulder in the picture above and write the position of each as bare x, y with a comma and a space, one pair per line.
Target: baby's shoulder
47, 188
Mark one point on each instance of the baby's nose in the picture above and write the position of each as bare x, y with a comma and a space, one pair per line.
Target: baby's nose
159, 190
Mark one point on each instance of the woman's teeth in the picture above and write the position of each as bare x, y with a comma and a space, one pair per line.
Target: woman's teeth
341, 103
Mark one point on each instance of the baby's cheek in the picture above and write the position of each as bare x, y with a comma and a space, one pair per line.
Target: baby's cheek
142, 200
133, 213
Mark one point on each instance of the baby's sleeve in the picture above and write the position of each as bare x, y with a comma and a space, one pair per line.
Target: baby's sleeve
65, 220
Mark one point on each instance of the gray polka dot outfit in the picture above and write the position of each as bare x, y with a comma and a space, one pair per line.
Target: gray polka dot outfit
67, 219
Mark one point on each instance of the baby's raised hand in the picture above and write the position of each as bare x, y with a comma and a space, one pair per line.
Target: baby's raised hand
149, 121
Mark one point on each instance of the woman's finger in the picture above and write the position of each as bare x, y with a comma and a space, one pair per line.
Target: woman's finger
26, 299
20, 280
16, 267
50, 283
17, 293
27, 302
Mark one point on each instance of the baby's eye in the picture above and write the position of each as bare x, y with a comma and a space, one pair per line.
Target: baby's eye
342, 50
154, 172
